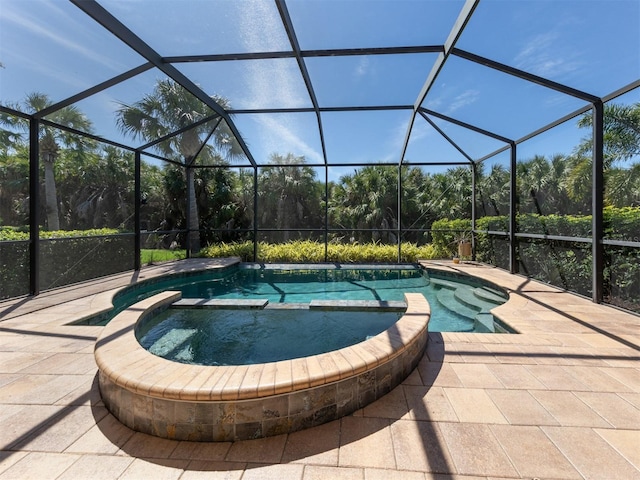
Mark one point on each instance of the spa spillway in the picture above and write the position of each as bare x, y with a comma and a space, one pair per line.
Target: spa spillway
179, 401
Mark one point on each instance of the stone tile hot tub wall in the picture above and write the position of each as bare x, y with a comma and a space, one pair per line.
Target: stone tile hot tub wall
226, 403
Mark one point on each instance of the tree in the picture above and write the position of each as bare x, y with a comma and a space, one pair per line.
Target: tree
14, 186
50, 141
493, 191
621, 133
168, 109
289, 197
451, 193
542, 185
368, 200
219, 210
622, 186
98, 190
621, 138
416, 211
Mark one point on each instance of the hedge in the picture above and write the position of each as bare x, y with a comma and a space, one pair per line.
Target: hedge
565, 264
309, 251
65, 258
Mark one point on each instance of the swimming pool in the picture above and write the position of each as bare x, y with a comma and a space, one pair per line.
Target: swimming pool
182, 401
459, 303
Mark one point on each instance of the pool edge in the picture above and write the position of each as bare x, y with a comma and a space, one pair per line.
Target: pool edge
192, 402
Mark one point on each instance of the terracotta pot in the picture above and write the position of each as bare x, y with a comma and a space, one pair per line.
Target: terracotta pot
464, 249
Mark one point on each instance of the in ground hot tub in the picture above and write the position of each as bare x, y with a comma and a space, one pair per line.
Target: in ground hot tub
180, 401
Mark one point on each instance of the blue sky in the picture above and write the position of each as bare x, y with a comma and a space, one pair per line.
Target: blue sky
590, 45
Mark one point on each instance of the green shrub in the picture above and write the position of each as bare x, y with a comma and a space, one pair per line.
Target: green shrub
307, 251
244, 250
446, 234
66, 257
13, 234
296, 251
568, 265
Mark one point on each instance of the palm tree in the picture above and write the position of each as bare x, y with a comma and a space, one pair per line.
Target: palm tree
168, 109
621, 133
99, 189
493, 191
50, 140
543, 183
622, 186
289, 196
368, 200
416, 210
621, 143
451, 196
14, 186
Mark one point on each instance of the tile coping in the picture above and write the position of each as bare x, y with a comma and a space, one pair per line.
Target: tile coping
125, 363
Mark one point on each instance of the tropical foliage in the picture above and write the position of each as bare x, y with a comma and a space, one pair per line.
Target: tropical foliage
308, 251
87, 185
289, 197
51, 140
170, 109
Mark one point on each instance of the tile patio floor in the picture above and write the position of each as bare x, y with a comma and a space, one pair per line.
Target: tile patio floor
561, 400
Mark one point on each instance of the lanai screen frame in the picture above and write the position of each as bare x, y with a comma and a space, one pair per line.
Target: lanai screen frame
594, 103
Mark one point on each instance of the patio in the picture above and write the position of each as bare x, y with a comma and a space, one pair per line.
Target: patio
559, 400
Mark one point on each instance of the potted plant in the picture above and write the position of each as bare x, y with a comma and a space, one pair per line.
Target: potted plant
464, 244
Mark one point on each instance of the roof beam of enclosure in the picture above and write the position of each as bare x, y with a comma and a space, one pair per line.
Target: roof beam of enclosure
321, 109
204, 143
178, 132
288, 26
537, 132
74, 131
117, 28
338, 52
466, 125
95, 89
567, 117
525, 75
621, 91
96, 138
446, 137
461, 22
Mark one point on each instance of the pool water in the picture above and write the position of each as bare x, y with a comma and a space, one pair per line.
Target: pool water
458, 304
304, 285
245, 337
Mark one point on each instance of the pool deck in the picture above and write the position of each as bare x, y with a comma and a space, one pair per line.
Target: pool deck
561, 400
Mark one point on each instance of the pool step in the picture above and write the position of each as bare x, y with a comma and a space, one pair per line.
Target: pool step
469, 297
484, 323
441, 283
447, 298
474, 303
492, 295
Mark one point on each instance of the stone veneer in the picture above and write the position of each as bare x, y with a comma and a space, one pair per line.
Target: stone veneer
226, 403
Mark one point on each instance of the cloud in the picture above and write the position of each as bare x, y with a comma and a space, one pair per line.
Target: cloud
363, 67
462, 100
397, 136
268, 81
256, 18
277, 136
448, 102
545, 55
36, 68
47, 32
